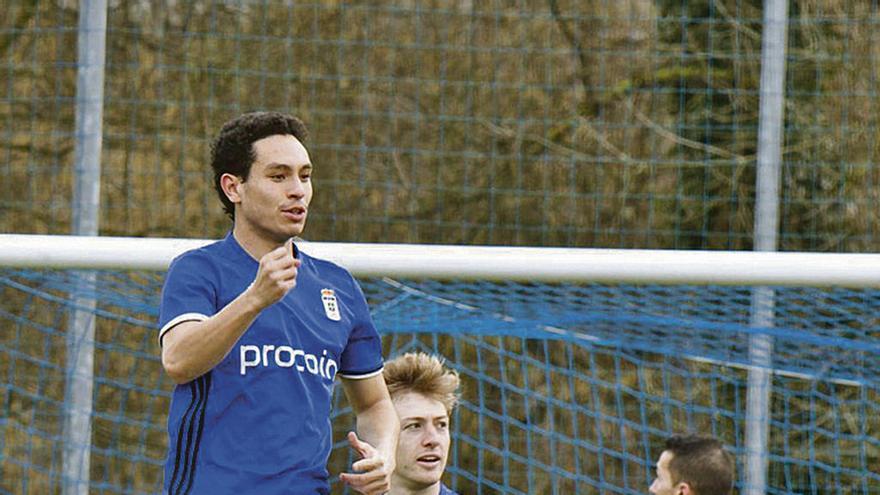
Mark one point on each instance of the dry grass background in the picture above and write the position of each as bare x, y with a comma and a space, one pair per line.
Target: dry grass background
581, 123
578, 123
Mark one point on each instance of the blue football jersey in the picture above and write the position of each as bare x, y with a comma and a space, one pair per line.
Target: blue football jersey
444, 490
259, 422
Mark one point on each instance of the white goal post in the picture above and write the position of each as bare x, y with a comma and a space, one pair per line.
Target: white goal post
762, 271
523, 264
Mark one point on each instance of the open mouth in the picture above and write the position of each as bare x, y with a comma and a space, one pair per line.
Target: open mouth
295, 213
429, 459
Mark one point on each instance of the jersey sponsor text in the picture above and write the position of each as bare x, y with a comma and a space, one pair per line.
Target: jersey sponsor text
284, 356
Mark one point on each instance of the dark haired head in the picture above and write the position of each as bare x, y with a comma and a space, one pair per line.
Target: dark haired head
233, 153
702, 463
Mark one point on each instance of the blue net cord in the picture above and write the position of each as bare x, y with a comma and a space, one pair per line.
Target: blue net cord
566, 388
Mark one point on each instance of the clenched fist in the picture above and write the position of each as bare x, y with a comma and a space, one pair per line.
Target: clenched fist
276, 275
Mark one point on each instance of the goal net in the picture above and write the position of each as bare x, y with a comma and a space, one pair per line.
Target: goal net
568, 386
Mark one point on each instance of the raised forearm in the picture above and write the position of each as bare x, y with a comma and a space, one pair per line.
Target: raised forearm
379, 426
191, 349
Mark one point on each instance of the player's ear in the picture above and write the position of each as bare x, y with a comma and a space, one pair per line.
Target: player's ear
230, 184
683, 489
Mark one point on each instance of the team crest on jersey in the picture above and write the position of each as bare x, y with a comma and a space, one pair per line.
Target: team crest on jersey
331, 306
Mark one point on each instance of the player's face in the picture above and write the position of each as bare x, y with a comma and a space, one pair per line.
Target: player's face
423, 443
274, 200
663, 483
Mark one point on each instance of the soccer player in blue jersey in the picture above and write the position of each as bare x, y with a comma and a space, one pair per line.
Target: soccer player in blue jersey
254, 332
424, 393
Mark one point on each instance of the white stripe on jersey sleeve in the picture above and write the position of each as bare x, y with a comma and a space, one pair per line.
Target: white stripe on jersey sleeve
361, 377
177, 321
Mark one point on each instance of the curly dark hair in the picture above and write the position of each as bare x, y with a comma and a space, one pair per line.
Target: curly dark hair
233, 152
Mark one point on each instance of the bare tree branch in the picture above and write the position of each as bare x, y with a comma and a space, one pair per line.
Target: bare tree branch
573, 40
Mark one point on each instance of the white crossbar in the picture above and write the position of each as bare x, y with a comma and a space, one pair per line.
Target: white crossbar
524, 264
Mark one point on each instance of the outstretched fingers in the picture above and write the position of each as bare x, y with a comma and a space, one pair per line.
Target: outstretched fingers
362, 448
372, 474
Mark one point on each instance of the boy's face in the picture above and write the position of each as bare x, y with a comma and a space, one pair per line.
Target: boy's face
424, 441
273, 202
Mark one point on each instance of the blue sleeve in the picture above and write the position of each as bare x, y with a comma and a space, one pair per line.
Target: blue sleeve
189, 293
362, 356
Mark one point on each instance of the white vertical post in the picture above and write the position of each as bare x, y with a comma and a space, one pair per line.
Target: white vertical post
85, 211
758, 394
773, 47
